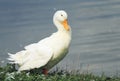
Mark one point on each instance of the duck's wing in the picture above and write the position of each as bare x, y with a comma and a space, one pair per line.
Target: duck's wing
34, 56
39, 55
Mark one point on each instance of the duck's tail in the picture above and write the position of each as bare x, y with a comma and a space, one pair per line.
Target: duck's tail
16, 58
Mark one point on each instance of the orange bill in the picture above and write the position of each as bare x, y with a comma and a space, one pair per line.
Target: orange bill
65, 24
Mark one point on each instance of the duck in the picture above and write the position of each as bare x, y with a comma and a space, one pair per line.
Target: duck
49, 51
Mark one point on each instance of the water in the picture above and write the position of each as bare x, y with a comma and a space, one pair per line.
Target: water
95, 25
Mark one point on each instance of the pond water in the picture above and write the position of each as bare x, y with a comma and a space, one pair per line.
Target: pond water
95, 26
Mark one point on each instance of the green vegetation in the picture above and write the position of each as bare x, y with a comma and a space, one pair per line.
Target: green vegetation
8, 73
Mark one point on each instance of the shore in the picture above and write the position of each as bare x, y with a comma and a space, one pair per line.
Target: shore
9, 73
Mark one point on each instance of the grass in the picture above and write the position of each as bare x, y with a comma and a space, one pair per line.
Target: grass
8, 73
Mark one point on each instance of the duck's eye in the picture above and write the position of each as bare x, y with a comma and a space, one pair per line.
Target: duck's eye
61, 15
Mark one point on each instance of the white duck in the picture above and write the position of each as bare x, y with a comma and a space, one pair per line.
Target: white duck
47, 52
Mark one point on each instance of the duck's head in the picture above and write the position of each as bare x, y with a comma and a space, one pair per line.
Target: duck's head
60, 20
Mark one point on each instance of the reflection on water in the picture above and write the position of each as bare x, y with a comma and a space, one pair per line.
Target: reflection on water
95, 26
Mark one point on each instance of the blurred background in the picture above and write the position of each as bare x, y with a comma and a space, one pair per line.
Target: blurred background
95, 27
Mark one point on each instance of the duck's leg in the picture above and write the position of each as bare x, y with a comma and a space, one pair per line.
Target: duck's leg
45, 71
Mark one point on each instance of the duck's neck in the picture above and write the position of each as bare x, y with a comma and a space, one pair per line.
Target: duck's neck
61, 28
